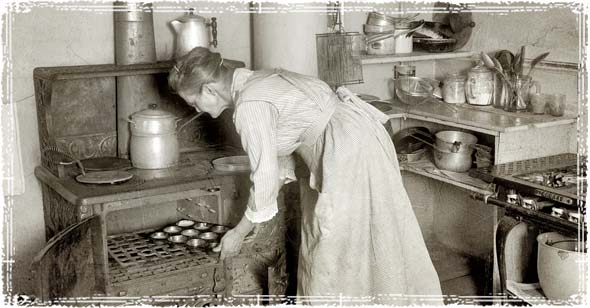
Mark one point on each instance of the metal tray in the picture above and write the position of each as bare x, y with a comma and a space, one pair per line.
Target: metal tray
232, 163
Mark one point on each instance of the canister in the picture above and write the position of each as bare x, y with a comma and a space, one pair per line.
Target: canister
479, 88
403, 42
454, 89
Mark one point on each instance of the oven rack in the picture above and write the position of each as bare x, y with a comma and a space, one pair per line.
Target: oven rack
135, 255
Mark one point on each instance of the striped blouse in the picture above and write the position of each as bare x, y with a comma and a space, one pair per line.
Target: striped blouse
270, 115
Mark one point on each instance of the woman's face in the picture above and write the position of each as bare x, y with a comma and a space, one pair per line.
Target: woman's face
208, 101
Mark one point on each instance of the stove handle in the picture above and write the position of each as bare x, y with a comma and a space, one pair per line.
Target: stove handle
531, 216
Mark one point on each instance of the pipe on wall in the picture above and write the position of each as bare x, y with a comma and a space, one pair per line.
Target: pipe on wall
134, 43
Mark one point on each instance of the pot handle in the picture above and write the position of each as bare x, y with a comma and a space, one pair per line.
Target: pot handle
213, 26
378, 37
456, 146
187, 122
421, 140
409, 32
130, 122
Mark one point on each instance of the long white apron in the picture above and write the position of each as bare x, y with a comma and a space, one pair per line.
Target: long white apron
361, 242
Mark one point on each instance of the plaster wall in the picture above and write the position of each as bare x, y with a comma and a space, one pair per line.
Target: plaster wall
78, 34
449, 215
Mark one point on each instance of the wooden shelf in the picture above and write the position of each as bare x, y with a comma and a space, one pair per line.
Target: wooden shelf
426, 167
101, 70
487, 120
414, 56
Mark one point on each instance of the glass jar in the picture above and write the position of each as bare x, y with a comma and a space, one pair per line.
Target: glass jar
454, 89
479, 88
403, 43
404, 70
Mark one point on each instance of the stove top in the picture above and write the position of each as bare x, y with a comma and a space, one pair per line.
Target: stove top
557, 178
564, 179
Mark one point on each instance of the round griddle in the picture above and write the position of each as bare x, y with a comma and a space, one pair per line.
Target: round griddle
104, 177
106, 163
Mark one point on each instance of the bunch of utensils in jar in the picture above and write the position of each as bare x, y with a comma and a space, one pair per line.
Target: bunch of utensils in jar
191, 234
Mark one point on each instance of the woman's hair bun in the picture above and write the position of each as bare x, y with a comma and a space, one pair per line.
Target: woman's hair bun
194, 69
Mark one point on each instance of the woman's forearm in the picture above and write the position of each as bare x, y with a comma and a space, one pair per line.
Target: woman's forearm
244, 226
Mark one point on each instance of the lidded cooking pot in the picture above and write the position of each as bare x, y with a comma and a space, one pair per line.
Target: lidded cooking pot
153, 143
193, 31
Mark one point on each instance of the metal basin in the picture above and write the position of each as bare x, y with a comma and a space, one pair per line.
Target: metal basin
190, 233
197, 243
172, 229
159, 236
219, 229
178, 239
209, 236
185, 223
202, 226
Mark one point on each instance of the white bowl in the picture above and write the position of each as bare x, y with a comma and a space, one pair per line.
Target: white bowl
560, 267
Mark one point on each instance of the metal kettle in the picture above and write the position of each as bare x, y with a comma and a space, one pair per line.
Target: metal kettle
192, 31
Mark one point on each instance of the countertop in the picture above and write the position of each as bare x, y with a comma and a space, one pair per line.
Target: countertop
485, 119
193, 168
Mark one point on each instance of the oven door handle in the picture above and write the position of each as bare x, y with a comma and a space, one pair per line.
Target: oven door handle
532, 216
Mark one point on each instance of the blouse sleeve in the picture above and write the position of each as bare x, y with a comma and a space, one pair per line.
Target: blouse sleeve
255, 122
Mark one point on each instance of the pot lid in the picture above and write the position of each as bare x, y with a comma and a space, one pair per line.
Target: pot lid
153, 113
480, 68
191, 17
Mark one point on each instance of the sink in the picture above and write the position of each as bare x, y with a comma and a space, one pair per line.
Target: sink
383, 106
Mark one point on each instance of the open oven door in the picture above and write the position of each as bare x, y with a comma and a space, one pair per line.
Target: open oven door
72, 263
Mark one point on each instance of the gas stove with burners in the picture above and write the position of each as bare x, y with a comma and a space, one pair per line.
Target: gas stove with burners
549, 191
557, 178
547, 194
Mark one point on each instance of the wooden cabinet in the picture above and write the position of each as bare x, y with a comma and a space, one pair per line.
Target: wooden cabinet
461, 222
513, 136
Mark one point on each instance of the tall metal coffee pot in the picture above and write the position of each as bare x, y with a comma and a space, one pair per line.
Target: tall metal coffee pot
193, 31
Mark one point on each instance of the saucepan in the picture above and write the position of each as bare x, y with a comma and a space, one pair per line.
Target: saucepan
452, 150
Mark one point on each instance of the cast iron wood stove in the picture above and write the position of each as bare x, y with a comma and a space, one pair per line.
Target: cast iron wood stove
98, 235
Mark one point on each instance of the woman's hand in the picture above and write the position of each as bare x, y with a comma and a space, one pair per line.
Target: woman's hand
230, 244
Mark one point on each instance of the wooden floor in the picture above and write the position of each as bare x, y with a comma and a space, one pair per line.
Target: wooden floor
458, 274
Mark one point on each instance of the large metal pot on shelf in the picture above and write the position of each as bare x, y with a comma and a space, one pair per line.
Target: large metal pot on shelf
390, 39
452, 150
